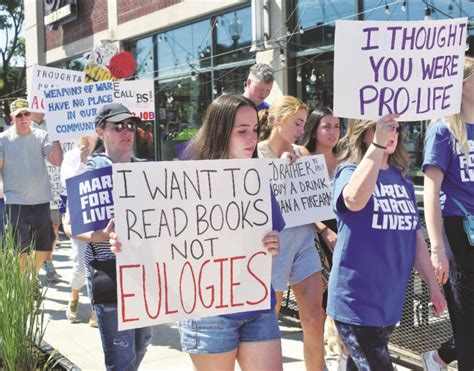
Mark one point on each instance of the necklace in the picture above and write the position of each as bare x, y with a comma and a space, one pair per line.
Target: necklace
269, 150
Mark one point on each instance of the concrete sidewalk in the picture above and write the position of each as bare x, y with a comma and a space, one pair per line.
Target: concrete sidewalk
81, 343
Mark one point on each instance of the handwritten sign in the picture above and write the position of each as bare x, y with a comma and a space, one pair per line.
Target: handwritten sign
46, 78
191, 235
303, 189
89, 197
71, 110
412, 68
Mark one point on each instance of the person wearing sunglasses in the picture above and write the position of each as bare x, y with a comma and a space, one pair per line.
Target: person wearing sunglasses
123, 350
379, 241
26, 186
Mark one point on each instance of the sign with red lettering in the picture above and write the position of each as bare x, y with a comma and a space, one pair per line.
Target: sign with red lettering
411, 68
303, 189
191, 236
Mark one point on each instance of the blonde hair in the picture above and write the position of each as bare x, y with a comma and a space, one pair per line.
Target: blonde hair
456, 123
352, 147
284, 107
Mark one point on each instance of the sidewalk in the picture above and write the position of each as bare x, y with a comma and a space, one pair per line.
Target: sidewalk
81, 343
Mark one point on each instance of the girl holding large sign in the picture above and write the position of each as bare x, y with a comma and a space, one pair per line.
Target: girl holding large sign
448, 167
252, 338
298, 263
379, 241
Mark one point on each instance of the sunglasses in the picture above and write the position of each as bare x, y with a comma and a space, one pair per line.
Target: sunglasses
121, 126
23, 114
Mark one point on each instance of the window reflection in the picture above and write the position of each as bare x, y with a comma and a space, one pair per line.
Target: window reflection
315, 20
142, 50
182, 106
234, 36
181, 48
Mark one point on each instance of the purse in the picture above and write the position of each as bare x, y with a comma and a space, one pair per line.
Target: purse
104, 280
468, 221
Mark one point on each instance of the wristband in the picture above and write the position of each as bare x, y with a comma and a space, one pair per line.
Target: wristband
378, 145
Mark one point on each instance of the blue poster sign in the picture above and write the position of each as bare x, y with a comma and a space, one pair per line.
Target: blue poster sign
90, 200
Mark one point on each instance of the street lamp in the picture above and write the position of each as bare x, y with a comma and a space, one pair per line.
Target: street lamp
235, 30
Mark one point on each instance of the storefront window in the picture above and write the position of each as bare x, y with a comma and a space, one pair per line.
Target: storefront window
231, 81
314, 21
316, 85
234, 36
184, 49
181, 110
142, 50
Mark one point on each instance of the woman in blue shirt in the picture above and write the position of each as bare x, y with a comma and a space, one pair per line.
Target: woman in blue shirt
449, 167
379, 241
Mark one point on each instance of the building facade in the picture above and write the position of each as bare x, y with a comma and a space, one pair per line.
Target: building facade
195, 50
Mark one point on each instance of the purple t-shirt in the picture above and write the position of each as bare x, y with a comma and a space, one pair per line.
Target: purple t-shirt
442, 151
375, 251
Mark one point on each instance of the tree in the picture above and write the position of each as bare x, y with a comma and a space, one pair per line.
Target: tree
12, 48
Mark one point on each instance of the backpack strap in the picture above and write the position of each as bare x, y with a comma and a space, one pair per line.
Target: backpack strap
460, 205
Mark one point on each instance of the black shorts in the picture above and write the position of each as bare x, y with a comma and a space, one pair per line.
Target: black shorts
31, 226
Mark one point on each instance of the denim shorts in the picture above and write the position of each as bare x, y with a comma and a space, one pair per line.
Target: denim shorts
211, 335
297, 259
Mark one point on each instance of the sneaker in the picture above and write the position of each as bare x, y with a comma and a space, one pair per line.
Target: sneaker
93, 321
429, 362
51, 274
71, 310
342, 365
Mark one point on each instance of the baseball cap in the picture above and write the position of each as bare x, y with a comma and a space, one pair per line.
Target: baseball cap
19, 105
114, 112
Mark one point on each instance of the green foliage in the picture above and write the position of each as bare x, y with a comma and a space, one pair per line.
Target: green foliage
12, 52
21, 315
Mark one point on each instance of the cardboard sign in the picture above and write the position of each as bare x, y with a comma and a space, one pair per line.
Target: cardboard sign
303, 189
46, 78
71, 110
55, 180
89, 197
411, 68
191, 236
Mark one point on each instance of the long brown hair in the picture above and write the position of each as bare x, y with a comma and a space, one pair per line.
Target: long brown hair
211, 142
352, 147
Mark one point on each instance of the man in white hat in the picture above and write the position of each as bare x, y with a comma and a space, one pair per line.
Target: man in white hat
26, 185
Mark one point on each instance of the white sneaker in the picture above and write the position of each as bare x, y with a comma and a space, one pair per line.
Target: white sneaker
71, 310
429, 362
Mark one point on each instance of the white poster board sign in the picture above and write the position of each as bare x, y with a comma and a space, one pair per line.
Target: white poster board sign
191, 236
54, 173
411, 68
71, 110
303, 189
49, 77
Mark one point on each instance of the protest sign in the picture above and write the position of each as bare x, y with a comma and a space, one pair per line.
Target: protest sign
71, 110
191, 236
90, 200
94, 73
55, 180
303, 189
411, 68
46, 78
